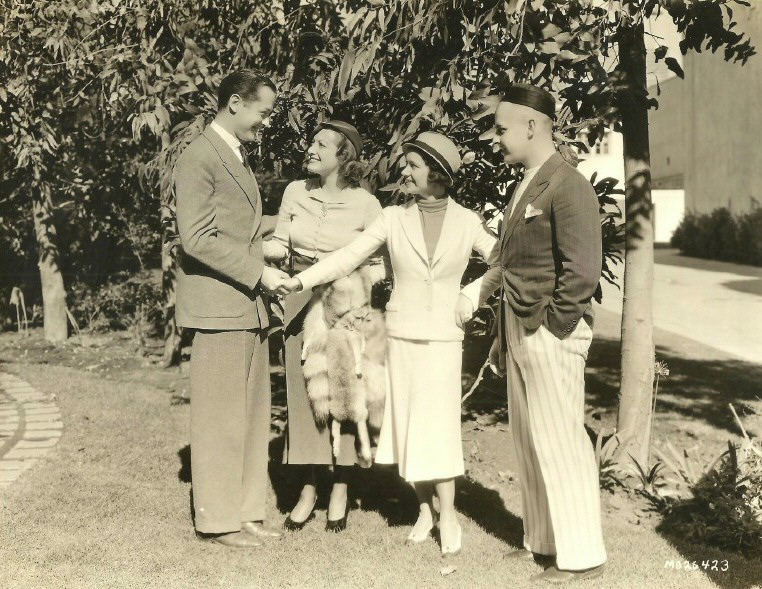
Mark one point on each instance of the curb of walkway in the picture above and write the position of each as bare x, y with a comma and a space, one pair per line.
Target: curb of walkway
30, 426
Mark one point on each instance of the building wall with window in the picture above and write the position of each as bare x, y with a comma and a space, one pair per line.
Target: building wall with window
606, 160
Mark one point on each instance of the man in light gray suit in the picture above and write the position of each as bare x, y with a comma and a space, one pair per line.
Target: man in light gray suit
220, 282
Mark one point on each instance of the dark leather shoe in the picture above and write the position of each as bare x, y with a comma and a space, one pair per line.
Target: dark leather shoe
236, 540
294, 526
527, 555
555, 576
259, 530
337, 525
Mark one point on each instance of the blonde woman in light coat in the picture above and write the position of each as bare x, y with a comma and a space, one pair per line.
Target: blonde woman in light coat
430, 240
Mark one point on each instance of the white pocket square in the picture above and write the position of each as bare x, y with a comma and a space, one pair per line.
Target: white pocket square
532, 212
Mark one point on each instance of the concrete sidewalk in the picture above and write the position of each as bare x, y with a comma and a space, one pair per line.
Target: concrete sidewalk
715, 303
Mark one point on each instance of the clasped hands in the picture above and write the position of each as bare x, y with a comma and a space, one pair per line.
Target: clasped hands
277, 281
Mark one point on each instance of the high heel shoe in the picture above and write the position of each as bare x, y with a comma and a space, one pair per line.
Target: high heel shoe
449, 550
294, 526
420, 537
338, 525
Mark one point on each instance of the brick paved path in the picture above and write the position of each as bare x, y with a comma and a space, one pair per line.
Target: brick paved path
30, 425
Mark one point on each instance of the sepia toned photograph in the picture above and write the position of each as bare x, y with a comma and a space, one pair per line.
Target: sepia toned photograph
326, 294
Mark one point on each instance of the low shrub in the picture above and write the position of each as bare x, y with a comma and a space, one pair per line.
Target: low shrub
720, 235
125, 302
724, 506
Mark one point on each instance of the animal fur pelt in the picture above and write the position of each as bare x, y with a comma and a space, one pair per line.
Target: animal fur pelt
344, 355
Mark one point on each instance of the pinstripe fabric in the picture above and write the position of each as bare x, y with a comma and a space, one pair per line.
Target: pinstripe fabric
559, 477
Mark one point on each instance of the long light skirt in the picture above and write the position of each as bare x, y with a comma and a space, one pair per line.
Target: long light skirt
421, 429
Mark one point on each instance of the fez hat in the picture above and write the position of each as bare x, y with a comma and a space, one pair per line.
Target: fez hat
439, 148
348, 130
532, 96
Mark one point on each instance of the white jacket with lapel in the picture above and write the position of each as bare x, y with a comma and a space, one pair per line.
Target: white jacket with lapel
422, 304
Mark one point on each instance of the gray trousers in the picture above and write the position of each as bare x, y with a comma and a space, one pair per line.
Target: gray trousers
230, 428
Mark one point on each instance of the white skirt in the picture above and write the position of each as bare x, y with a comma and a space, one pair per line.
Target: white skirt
421, 427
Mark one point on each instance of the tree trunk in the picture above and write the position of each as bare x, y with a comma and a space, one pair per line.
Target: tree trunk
53, 291
634, 418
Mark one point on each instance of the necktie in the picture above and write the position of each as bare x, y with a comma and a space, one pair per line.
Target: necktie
245, 156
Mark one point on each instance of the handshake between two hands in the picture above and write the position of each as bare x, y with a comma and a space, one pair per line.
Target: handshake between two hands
279, 282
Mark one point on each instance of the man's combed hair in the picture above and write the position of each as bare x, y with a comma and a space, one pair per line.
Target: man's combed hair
246, 83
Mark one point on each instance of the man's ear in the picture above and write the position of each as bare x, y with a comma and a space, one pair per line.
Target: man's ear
531, 128
234, 104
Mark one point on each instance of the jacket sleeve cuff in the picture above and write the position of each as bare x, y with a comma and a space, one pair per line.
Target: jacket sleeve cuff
471, 292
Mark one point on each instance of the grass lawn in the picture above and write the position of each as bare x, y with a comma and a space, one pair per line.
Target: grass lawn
109, 506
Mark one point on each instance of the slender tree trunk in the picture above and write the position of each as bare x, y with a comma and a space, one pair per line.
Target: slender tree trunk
53, 291
634, 418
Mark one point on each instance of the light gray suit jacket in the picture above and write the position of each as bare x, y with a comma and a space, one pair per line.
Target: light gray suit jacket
219, 217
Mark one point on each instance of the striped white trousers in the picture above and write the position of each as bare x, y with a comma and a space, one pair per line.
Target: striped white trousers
557, 469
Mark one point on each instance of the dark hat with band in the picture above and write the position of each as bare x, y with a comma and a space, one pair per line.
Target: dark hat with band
439, 148
532, 96
349, 131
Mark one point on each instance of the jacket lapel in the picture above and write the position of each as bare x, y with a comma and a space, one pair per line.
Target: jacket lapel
235, 167
536, 187
450, 228
257, 204
411, 225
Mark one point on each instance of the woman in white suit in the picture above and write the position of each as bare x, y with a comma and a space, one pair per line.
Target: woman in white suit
430, 240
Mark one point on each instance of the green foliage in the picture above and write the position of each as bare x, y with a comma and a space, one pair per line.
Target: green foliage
649, 477
102, 96
720, 235
133, 302
609, 472
725, 509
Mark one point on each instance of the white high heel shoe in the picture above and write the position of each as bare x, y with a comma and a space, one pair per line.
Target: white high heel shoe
421, 536
451, 548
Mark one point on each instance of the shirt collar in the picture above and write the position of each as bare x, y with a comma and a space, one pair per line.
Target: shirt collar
315, 192
228, 138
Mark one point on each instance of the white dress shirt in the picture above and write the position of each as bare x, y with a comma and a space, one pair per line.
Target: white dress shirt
528, 175
228, 138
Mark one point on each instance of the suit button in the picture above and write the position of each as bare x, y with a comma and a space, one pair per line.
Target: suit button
574, 322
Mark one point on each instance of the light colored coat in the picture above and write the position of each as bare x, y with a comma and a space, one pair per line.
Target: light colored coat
422, 304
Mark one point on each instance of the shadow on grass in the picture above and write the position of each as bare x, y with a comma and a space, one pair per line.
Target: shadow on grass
696, 389
380, 489
486, 508
739, 573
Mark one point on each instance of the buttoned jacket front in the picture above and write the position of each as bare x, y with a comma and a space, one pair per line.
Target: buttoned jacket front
422, 303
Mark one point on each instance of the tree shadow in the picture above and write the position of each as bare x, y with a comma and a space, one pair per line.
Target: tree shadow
696, 389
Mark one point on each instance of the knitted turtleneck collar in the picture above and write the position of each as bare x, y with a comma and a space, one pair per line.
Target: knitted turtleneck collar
432, 206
